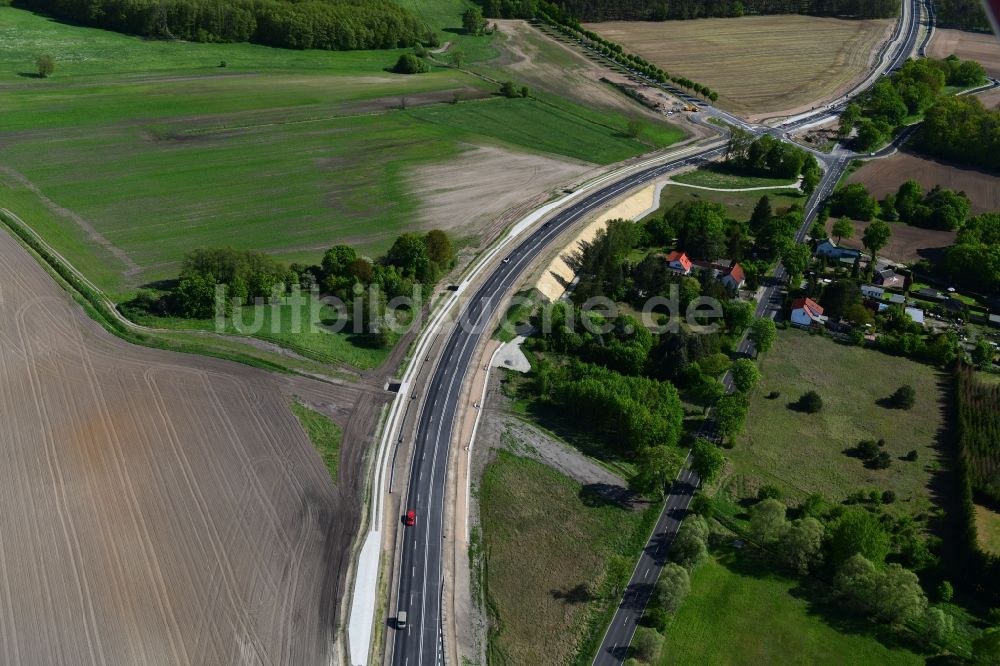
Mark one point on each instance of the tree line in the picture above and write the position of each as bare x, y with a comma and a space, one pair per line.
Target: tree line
311, 24
663, 10
249, 275
977, 433
974, 260
939, 208
961, 14
614, 51
961, 129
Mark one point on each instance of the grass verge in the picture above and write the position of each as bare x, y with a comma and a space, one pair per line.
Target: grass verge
718, 176
323, 433
988, 529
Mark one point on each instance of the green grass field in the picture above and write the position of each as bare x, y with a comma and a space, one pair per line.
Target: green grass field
323, 433
281, 326
805, 453
549, 550
136, 151
988, 529
737, 615
718, 177
739, 205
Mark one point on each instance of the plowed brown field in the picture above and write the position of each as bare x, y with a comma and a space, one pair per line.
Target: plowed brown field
160, 508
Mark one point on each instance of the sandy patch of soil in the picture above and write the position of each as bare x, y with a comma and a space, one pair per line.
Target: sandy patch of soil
160, 507
558, 274
465, 194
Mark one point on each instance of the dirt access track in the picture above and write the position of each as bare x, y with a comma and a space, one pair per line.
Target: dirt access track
161, 508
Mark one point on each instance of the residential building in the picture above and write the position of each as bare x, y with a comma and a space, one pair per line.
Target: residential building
807, 313
872, 292
734, 277
916, 314
680, 262
888, 278
831, 250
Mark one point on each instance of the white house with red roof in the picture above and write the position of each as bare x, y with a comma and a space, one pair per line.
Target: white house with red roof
680, 262
807, 313
734, 277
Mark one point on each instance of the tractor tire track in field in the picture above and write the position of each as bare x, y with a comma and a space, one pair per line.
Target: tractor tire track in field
162, 508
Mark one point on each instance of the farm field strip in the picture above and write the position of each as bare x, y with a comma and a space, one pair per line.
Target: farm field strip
772, 63
160, 506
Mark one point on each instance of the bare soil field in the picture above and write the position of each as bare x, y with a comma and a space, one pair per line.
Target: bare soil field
758, 64
984, 49
886, 175
990, 99
161, 508
906, 244
465, 193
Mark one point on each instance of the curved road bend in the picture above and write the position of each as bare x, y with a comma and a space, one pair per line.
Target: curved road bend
420, 570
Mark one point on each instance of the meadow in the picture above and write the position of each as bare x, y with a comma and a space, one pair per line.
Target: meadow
739, 205
739, 613
772, 63
550, 552
136, 151
803, 453
718, 176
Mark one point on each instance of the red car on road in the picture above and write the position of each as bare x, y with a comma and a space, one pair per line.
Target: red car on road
410, 518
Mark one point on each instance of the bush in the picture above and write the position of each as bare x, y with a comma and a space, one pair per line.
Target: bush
508, 89
410, 64
945, 591
867, 449
769, 492
702, 506
911, 456
888, 497
672, 587
46, 65
881, 461
646, 644
810, 402
904, 397
658, 619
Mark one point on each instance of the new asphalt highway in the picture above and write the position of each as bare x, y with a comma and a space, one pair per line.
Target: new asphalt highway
420, 568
